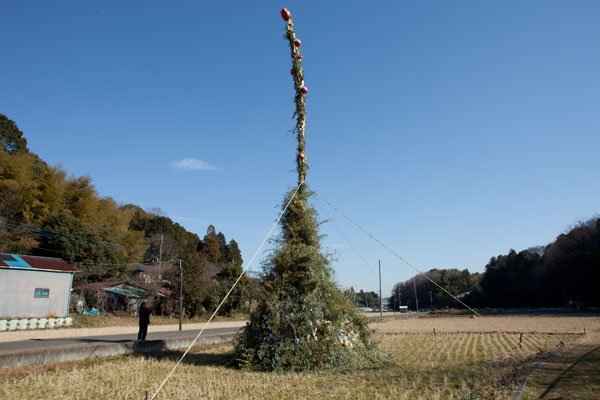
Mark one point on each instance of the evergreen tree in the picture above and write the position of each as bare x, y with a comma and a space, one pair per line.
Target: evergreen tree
11, 137
234, 255
226, 278
222, 247
210, 245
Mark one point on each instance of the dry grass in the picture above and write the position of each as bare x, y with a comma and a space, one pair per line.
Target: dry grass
123, 319
465, 364
495, 324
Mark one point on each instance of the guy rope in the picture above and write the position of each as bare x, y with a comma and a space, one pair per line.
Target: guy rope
228, 293
394, 253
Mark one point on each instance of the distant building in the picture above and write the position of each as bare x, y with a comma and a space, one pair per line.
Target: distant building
120, 296
34, 287
153, 273
110, 296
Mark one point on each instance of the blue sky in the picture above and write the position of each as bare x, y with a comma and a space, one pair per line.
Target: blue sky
452, 131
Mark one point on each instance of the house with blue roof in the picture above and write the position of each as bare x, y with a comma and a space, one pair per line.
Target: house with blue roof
34, 287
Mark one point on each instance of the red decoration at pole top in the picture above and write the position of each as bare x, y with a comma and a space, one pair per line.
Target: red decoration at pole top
304, 89
285, 14
298, 43
292, 71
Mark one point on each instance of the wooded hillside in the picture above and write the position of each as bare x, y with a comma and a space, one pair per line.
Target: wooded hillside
46, 212
566, 272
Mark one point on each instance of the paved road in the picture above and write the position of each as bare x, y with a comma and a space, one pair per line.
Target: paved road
41, 344
121, 338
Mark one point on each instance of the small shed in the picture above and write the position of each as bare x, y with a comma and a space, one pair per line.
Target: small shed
34, 287
112, 296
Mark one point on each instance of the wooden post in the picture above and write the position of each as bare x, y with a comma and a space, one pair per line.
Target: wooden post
380, 298
180, 295
434, 332
416, 296
521, 341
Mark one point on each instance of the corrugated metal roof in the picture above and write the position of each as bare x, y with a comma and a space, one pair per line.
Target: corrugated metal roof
116, 287
97, 285
47, 263
128, 291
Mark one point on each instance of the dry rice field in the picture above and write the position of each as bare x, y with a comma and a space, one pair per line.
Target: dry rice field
466, 359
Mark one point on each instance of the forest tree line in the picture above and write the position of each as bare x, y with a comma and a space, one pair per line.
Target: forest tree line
363, 298
45, 212
564, 273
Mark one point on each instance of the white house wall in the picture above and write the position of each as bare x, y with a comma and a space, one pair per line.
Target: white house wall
17, 287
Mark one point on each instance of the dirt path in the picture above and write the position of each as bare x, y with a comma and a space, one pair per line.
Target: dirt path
573, 373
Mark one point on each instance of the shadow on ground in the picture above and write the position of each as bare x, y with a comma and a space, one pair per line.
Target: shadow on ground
573, 373
579, 380
197, 358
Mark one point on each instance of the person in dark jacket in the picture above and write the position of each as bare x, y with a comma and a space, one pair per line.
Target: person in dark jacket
144, 314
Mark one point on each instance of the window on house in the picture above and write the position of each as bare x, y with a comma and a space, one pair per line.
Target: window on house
39, 292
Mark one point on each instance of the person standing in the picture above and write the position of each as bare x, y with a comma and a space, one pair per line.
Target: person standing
144, 314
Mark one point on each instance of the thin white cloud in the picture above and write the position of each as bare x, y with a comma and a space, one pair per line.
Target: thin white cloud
193, 164
187, 219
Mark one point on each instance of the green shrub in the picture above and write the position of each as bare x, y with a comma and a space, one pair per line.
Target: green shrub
304, 321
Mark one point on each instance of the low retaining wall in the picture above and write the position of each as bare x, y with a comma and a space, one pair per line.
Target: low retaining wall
34, 323
20, 358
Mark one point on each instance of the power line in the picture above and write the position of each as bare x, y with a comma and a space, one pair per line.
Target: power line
95, 263
394, 253
48, 233
329, 219
51, 234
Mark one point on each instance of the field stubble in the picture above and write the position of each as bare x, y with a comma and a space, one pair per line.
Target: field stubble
466, 358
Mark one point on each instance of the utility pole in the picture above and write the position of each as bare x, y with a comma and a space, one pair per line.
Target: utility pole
430, 301
380, 298
416, 298
180, 294
366, 301
162, 236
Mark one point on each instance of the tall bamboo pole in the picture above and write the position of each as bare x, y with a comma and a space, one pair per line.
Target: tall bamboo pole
300, 97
